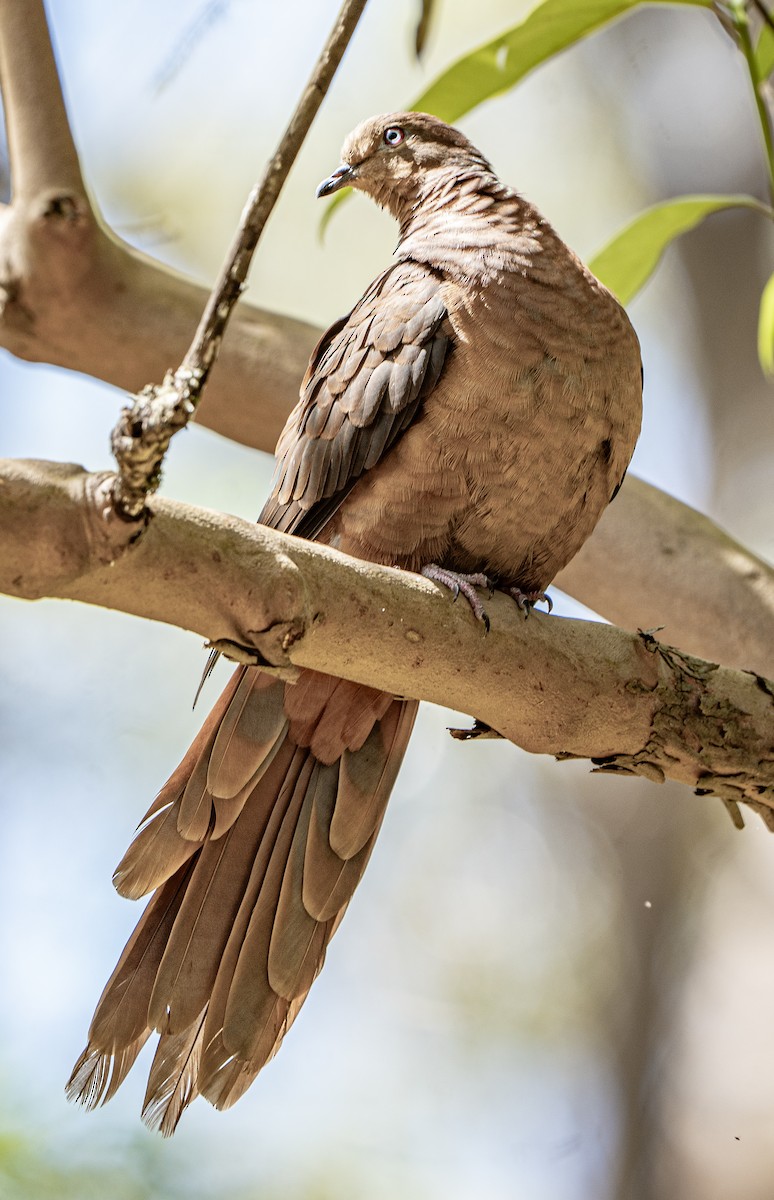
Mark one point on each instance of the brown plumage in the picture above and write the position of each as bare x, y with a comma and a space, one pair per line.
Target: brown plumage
476, 410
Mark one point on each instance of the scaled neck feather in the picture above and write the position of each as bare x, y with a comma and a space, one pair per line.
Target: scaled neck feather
456, 219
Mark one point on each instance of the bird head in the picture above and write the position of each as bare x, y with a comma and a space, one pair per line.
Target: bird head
395, 157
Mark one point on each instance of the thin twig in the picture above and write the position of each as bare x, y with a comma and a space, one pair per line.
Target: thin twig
141, 438
737, 11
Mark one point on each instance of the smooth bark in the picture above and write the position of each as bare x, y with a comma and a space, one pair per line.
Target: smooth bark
554, 686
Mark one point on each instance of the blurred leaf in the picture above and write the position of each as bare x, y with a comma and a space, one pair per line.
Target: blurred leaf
330, 209
766, 328
498, 65
426, 11
628, 261
764, 52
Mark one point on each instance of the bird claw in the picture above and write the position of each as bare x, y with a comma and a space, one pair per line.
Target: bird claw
461, 584
527, 600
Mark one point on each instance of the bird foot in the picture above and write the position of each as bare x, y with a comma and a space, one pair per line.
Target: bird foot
527, 600
461, 585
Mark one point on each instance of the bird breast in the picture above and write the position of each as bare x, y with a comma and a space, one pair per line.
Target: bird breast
520, 446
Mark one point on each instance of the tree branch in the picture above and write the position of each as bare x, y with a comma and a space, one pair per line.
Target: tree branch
654, 562
41, 148
146, 427
554, 686
74, 295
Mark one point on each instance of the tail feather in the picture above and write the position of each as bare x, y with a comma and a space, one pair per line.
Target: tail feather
251, 997
96, 1077
165, 840
199, 748
228, 808
252, 726
193, 811
172, 1082
121, 1015
306, 702
348, 719
188, 966
367, 778
186, 811
328, 880
291, 964
120, 1028
157, 852
255, 846
218, 888
216, 1051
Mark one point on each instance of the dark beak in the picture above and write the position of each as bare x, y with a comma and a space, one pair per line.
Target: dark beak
340, 178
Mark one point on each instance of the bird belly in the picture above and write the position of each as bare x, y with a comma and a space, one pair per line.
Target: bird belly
507, 476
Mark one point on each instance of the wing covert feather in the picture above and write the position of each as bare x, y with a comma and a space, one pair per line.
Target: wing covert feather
366, 379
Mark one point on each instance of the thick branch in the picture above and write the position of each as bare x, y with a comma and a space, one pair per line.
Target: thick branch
41, 149
654, 563
553, 686
74, 295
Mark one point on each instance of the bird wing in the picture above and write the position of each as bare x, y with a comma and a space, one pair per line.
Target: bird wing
366, 379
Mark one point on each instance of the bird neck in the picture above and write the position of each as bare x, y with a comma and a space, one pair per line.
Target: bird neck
437, 195
453, 215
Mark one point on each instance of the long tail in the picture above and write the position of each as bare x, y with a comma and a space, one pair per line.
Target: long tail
252, 849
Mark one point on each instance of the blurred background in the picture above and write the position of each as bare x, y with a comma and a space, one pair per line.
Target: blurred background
551, 985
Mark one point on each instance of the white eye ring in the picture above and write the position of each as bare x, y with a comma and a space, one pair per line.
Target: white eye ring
393, 136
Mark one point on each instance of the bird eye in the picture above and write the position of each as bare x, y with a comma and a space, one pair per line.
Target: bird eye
393, 136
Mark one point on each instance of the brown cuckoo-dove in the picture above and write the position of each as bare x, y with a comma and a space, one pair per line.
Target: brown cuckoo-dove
471, 417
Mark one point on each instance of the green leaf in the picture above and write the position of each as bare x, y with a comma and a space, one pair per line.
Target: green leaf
628, 261
764, 52
766, 329
498, 65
